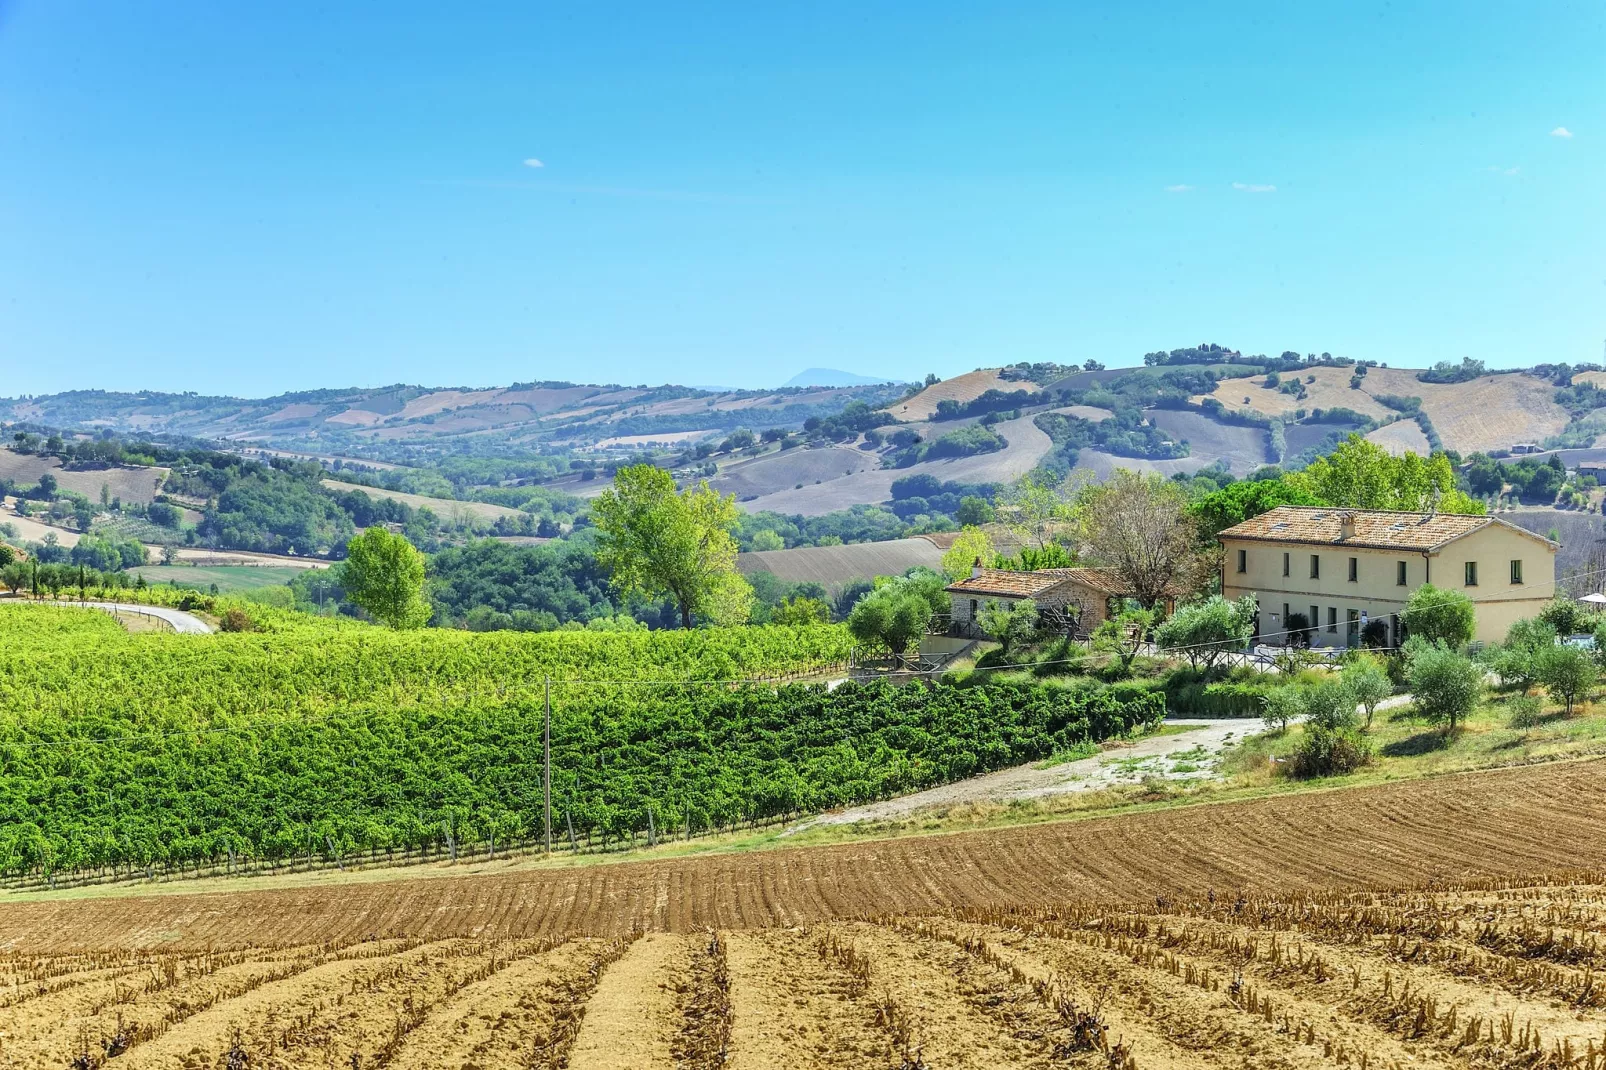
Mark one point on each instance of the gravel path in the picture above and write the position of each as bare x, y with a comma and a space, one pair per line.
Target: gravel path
1198, 747
184, 623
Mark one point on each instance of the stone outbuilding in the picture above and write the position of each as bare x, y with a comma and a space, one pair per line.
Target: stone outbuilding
1075, 600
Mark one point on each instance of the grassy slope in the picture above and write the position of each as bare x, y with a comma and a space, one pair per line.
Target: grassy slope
227, 577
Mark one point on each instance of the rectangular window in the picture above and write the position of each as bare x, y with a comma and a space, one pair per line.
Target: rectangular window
1315, 617
1516, 571
1285, 564
1315, 567
1243, 560
1399, 574
1352, 619
1332, 618
1285, 616
1354, 569
1472, 573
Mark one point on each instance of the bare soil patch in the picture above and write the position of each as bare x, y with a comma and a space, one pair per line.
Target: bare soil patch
784, 470
835, 566
1242, 449
131, 483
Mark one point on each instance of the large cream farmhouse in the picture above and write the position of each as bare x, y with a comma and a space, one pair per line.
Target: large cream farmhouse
1342, 568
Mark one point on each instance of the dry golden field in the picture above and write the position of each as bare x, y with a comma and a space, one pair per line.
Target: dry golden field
1401, 436
1415, 924
961, 388
1494, 412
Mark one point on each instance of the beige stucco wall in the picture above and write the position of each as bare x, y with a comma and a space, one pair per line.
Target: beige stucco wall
1375, 591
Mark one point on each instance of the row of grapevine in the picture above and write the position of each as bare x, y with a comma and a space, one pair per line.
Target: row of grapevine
687, 757
92, 678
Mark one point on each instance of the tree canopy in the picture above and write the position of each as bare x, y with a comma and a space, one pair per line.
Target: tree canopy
1440, 616
658, 541
1362, 475
384, 574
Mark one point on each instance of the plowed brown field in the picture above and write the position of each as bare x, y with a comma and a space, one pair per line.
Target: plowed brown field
1260, 934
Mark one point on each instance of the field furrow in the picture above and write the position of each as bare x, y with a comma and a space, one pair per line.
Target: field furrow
497, 1022
636, 1013
793, 1006
949, 1009
1197, 1006
282, 1014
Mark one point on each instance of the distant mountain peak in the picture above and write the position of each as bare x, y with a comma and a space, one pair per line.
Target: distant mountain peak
832, 377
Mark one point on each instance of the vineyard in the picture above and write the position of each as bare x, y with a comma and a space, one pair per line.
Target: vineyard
1270, 941
119, 753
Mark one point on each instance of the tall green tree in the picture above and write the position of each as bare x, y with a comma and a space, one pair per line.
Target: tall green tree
384, 574
658, 541
1363, 475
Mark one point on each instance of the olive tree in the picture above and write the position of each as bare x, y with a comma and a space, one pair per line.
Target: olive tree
1445, 685
1440, 616
1567, 673
1368, 684
1204, 631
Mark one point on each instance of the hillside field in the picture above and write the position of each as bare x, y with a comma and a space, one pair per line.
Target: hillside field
1027, 446
128, 482
441, 507
835, 566
228, 578
1489, 413
1429, 923
961, 388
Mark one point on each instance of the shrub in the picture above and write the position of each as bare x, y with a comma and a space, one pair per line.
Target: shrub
1517, 663
1327, 752
1524, 712
1329, 704
235, 619
1446, 685
1567, 617
1298, 629
1280, 707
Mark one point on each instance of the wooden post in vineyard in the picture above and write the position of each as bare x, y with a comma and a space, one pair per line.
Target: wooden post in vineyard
546, 777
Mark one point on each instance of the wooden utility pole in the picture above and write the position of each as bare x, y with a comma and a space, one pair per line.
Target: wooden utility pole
546, 779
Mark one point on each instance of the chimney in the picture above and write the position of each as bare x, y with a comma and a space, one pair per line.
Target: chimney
1346, 525
975, 569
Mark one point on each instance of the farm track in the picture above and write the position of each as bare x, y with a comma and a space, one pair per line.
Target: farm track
1534, 820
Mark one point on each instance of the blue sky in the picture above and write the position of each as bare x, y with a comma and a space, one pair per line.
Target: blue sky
249, 199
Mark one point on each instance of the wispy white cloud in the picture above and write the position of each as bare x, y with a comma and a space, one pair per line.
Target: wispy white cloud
533, 162
1561, 131
1179, 188
544, 186
1253, 187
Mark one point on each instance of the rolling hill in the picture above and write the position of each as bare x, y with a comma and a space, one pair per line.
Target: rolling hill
387, 422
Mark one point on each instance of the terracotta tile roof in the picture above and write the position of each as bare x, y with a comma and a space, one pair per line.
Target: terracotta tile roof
997, 581
1001, 582
1104, 580
1376, 528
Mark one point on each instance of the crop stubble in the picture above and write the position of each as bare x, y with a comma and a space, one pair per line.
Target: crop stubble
1257, 935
